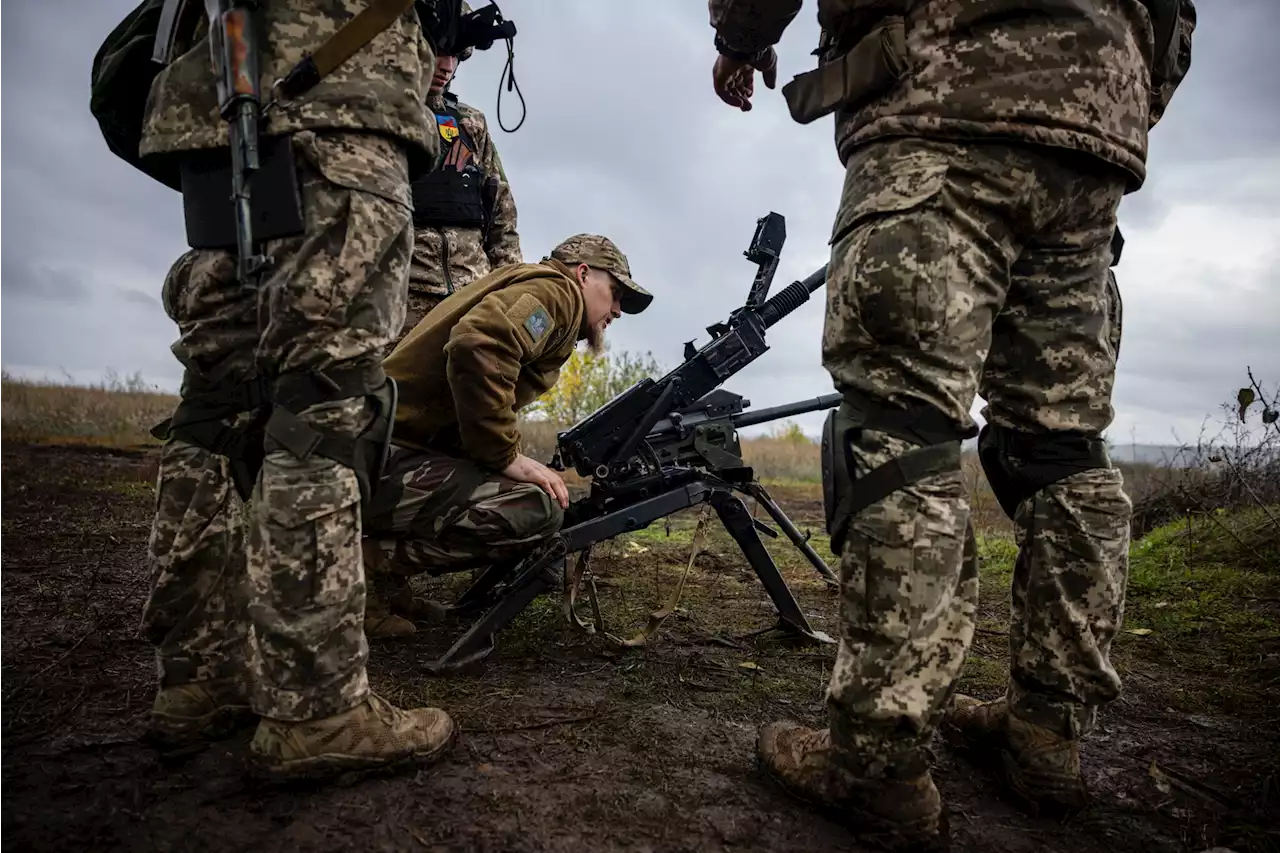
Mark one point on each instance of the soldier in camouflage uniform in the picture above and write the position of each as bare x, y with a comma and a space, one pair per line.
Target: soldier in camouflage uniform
275, 634
459, 493
987, 147
465, 214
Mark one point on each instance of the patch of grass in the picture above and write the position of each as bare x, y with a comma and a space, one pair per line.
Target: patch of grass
117, 412
1203, 593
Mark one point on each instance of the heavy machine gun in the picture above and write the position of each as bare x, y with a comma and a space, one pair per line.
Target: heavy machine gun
657, 448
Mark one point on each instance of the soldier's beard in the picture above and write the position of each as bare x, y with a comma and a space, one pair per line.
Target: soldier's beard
595, 340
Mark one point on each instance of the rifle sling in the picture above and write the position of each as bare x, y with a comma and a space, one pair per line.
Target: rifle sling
352, 36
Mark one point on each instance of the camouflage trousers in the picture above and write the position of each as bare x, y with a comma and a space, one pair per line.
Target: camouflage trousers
445, 514
959, 270
283, 606
418, 305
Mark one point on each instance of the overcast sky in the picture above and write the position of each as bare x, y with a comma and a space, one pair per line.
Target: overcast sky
625, 137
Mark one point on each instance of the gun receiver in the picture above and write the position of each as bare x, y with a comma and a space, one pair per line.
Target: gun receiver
658, 448
601, 444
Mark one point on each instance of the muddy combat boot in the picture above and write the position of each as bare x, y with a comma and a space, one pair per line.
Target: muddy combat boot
896, 814
187, 717
1040, 767
373, 735
380, 623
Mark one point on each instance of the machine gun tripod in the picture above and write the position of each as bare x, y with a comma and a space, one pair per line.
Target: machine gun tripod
706, 468
657, 448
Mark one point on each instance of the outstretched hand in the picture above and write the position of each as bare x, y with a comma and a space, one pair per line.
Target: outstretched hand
526, 470
734, 81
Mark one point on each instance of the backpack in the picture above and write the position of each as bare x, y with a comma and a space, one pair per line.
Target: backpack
123, 69
120, 84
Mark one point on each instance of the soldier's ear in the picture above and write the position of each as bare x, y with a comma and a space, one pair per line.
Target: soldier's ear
581, 272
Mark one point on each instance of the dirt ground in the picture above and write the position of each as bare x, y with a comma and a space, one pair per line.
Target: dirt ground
567, 743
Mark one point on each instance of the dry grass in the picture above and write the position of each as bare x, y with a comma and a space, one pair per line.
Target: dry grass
115, 412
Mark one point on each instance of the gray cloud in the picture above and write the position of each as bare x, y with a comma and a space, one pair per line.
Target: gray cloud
626, 140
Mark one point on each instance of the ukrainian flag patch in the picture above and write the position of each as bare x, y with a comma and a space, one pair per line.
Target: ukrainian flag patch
448, 126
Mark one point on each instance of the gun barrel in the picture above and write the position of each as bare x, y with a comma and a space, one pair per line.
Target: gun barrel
760, 416
791, 297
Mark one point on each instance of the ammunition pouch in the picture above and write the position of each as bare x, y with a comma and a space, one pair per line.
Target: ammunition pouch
449, 197
209, 209
366, 454
205, 419
849, 79
844, 493
1020, 464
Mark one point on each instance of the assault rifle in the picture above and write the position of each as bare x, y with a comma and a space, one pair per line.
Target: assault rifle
657, 448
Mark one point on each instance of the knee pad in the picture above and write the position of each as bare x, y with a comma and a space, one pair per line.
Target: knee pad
1020, 464
366, 454
202, 418
844, 493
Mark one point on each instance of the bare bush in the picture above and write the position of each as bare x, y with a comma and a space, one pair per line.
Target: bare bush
1230, 476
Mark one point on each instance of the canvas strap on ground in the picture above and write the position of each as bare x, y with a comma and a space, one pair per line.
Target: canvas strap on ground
581, 571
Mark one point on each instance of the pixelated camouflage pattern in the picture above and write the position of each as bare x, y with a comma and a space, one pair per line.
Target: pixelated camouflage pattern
602, 253
475, 361
907, 606
379, 88
419, 305
959, 270
195, 615
1074, 76
991, 259
447, 258
1068, 600
333, 298
447, 515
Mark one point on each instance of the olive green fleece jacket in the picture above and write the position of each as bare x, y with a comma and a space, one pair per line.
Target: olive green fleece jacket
481, 356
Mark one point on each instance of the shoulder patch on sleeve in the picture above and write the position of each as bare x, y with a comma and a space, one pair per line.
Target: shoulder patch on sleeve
534, 321
537, 323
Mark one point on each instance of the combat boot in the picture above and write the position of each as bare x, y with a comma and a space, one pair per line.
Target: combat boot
380, 623
901, 811
373, 735
185, 717
1040, 767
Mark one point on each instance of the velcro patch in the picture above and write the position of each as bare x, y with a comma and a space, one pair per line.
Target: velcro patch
448, 126
537, 323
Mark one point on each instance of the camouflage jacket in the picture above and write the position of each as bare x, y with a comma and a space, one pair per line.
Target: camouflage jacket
1073, 75
380, 88
481, 356
448, 257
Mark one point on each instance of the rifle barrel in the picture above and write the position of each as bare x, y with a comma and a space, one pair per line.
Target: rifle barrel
746, 419
791, 297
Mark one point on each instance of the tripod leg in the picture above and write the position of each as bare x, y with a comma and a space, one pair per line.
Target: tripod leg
733, 514
476, 644
780, 518
480, 592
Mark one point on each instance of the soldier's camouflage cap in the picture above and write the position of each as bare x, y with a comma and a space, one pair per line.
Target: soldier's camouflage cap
603, 254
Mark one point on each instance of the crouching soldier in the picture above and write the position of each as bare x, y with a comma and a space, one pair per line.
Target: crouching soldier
457, 492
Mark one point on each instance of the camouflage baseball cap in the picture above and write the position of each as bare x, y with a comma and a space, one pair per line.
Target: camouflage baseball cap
603, 254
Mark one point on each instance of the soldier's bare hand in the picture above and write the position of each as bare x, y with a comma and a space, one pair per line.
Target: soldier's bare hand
734, 81
526, 470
